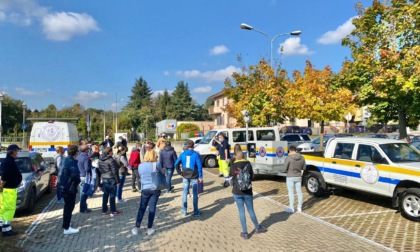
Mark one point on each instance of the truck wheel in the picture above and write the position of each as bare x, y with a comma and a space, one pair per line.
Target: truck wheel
31, 201
315, 184
211, 162
410, 204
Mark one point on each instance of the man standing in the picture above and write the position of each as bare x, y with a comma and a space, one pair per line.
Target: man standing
85, 167
192, 173
161, 142
107, 143
224, 151
167, 158
10, 180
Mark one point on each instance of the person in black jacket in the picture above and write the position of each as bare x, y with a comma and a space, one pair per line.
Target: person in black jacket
11, 177
107, 143
167, 158
244, 197
69, 180
109, 171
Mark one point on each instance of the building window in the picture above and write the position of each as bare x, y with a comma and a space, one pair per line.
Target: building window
219, 120
217, 103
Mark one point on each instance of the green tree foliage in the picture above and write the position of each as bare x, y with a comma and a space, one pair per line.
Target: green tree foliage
385, 69
140, 94
162, 105
12, 115
181, 103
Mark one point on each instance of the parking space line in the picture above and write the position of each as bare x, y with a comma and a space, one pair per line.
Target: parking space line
278, 196
357, 214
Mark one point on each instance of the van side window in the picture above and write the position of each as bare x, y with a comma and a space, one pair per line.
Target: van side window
265, 135
240, 136
343, 150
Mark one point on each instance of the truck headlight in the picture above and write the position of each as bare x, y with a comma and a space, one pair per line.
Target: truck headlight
22, 186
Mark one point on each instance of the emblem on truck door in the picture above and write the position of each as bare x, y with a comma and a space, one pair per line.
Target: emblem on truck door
262, 151
369, 174
280, 152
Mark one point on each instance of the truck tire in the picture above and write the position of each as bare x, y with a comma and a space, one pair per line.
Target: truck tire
315, 184
31, 201
210, 162
409, 204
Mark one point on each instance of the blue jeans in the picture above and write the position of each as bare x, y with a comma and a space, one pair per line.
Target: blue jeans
148, 198
109, 188
241, 202
120, 187
187, 183
59, 194
169, 174
294, 182
83, 197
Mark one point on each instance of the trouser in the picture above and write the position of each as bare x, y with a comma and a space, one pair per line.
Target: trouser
109, 188
148, 198
7, 207
241, 202
135, 179
59, 194
120, 187
294, 182
83, 196
69, 203
187, 183
169, 174
224, 168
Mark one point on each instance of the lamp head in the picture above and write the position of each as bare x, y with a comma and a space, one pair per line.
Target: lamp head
246, 27
295, 33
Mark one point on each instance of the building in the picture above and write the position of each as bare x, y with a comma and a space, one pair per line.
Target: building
222, 119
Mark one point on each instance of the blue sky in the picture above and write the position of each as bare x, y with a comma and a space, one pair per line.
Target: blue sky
63, 52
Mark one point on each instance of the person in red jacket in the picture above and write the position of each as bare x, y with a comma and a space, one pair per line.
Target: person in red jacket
134, 163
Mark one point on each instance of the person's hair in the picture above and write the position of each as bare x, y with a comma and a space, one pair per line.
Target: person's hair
239, 154
72, 150
221, 135
237, 148
96, 148
152, 145
121, 149
107, 150
150, 156
292, 148
168, 143
190, 144
59, 149
84, 148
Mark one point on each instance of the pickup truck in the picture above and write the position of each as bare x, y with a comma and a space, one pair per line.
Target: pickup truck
384, 167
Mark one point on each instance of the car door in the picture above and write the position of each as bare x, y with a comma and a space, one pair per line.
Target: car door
38, 174
340, 166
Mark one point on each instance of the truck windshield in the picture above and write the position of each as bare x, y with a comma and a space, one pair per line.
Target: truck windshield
207, 138
401, 152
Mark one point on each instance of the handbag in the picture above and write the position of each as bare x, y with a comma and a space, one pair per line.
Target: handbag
158, 179
200, 187
88, 186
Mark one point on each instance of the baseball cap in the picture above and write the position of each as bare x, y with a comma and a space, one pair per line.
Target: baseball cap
13, 147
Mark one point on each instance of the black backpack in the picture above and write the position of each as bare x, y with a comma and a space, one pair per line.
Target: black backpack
243, 178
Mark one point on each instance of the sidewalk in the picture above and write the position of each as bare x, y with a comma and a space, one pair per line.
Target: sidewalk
217, 229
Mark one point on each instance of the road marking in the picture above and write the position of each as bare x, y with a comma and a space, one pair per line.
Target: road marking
278, 196
320, 221
357, 214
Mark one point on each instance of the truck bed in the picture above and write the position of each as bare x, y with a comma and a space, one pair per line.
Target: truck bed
315, 153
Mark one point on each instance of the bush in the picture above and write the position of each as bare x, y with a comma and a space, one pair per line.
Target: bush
187, 127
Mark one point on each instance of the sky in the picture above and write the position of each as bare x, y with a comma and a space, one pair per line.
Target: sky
91, 52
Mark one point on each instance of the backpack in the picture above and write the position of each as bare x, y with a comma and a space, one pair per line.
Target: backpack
243, 178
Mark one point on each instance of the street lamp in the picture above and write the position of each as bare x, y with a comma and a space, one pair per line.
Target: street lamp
293, 33
23, 124
116, 113
1, 128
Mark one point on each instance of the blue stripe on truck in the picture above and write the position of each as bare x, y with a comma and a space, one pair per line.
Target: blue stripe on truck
357, 175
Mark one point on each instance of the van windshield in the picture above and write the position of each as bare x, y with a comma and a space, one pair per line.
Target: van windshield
207, 138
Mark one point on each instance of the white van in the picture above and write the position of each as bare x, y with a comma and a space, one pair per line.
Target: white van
266, 152
46, 136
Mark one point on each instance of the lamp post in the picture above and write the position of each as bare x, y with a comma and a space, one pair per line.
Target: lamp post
1, 128
116, 113
293, 33
23, 124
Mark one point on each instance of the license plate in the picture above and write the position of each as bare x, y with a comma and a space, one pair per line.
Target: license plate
41, 150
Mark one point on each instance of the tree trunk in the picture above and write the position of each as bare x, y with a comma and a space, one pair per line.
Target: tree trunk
321, 140
403, 124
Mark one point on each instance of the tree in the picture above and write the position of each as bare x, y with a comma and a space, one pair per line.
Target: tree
385, 70
162, 107
140, 94
259, 90
12, 115
181, 103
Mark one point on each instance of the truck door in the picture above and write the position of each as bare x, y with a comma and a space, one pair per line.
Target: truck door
339, 168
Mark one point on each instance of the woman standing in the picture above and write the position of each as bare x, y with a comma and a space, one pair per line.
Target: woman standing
242, 173
134, 163
57, 163
122, 163
149, 197
294, 164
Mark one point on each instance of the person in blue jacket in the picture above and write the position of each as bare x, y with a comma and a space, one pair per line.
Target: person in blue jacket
192, 173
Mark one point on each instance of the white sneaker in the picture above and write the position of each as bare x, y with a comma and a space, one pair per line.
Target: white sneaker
122, 201
135, 231
299, 210
289, 210
71, 231
189, 195
150, 231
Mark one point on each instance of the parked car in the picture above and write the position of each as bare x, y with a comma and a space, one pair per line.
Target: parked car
376, 135
382, 128
314, 145
36, 179
415, 144
358, 129
397, 136
196, 140
306, 130
295, 139
290, 129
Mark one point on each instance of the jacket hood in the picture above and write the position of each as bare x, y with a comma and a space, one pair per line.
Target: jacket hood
168, 148
104, 157
296, 156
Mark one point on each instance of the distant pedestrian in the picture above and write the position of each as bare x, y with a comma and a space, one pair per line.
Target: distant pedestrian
122, 162
161, 142
58, 159
85, 167
11, 177
94, 157
107, 143
167, 158
242, 192
149, 197
224, 154
192, 173
294, 165
134, 163
69, 181
109, 172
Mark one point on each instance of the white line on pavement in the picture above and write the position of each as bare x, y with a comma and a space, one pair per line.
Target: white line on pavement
321, 221
357, 214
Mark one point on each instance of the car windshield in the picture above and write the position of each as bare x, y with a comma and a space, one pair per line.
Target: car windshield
401, 152
23, 164
207, 138
306, 138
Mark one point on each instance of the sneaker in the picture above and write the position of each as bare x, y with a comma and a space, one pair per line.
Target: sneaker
134, 190
183, 212
135, 231
60, 201
260, 230
115, 213
226, 183
220, 174
189, 195
289, 210
122, 201
299, 210
245, 236
150, 231
71, 231
9, 233
88, 210
199, 213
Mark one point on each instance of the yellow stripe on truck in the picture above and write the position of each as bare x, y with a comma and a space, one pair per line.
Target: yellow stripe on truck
51, 143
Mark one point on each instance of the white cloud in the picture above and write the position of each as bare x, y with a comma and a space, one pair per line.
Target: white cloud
84, 96
62, 26
333, 37
218, 75
292, 46
218, 50
26, 92
166, 73
202, 90
160, 92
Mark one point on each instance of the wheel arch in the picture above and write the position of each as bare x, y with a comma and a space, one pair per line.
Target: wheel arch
400, 188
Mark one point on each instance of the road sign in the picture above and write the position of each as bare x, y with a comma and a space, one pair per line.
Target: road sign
24, 126
348, 116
